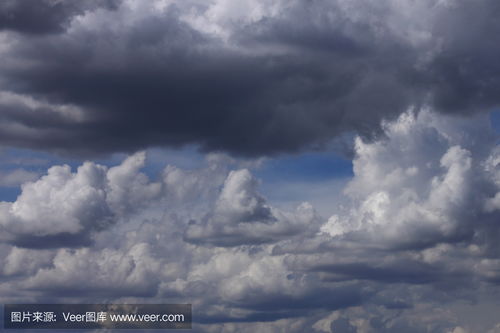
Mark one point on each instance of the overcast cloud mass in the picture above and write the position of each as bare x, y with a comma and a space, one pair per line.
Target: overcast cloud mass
406, 88
251, 78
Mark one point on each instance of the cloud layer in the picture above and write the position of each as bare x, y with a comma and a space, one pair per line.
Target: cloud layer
413, 243
417, 239
252, 78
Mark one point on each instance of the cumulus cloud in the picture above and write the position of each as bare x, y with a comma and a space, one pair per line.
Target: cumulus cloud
252, 78
421, 185
106, 273
20, 261
241, 216
415, 239
66, 205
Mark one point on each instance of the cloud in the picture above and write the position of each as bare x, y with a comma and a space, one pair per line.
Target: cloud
16, 177
66, 207
21, 261
414, 239
421, 186
463, 75
45, 16
241, 216
342, 325
253, 78
100, 274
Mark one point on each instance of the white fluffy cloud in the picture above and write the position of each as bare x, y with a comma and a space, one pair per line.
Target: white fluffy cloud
421, 185
66, 202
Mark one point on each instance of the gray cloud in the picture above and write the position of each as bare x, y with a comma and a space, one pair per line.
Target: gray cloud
45, 16
418, 238
16, 177
463, 74
251, 78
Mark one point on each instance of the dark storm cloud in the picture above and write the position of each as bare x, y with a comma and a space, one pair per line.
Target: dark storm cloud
282, 82
51, 242
274, 306
465, 74
45, 16
317, 298
403, 272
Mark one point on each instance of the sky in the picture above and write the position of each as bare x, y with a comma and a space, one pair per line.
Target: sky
283, 166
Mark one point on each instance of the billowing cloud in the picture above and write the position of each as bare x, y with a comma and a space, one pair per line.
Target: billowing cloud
63, 206
411, 249
107, 273
252, 78
422, 185
241, 216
